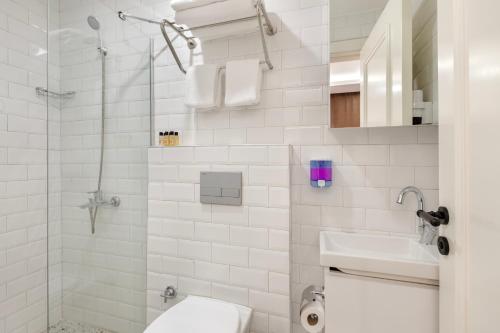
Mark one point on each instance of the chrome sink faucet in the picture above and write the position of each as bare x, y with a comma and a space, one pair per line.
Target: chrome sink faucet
425, 229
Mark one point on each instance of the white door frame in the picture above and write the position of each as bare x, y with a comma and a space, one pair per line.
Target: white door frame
453, 152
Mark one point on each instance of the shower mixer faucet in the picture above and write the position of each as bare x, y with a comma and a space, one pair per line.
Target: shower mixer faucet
96, 201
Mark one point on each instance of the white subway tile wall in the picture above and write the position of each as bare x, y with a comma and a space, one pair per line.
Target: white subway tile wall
370, 169
371, 166
24, 120
235, 253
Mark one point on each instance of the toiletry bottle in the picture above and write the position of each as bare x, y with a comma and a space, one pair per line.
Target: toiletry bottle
171, 139
160, 140
176, 139
165, 139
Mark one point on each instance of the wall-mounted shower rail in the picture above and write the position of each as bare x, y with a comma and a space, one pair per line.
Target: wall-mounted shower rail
172, 48
191, 42
265, 27
44, 92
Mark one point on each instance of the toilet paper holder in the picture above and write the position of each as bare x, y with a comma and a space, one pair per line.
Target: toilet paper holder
312, 312
313, 293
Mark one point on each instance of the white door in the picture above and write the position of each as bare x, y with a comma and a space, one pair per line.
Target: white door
386, 67
469, 83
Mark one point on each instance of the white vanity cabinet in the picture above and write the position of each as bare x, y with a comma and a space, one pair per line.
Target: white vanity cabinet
363, 304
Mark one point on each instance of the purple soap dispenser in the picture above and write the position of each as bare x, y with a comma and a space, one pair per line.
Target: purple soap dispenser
321, 173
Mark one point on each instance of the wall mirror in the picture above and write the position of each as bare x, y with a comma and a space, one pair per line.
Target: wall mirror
383, 63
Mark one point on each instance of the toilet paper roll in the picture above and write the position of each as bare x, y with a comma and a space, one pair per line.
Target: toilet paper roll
312, 316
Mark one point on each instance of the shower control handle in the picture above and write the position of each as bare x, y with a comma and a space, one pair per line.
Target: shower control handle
170, 292
115, 201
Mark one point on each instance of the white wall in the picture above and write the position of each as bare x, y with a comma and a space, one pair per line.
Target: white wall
23, 171
235, 253
372, 165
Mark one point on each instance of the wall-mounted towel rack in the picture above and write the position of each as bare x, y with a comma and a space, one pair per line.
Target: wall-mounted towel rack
265, 27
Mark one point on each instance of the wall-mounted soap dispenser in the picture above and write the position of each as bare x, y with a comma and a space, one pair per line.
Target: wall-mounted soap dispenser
321, 173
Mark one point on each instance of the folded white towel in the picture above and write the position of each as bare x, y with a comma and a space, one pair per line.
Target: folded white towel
179, 5
203, 87
243, 82
216, 12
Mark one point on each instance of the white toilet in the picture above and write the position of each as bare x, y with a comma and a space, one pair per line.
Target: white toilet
203, 315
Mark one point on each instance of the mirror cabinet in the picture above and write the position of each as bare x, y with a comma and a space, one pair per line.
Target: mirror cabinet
383, 63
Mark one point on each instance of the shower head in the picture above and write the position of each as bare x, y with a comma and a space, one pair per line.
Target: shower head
94, 23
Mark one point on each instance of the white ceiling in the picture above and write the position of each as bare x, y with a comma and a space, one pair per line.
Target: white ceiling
357, 11
345, 7
340, 8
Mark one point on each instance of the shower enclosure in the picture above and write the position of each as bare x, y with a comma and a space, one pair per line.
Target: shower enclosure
97, 167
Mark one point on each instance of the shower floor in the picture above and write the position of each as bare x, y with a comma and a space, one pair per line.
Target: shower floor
65, 326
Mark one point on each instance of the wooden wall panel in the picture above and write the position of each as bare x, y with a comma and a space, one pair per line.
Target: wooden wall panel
345, 110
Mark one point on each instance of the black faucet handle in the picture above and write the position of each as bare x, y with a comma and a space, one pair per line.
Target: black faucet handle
435, 218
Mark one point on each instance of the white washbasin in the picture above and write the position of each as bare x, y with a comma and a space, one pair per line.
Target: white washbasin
378, 254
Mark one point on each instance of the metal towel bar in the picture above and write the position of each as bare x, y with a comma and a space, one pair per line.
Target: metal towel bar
265, 27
